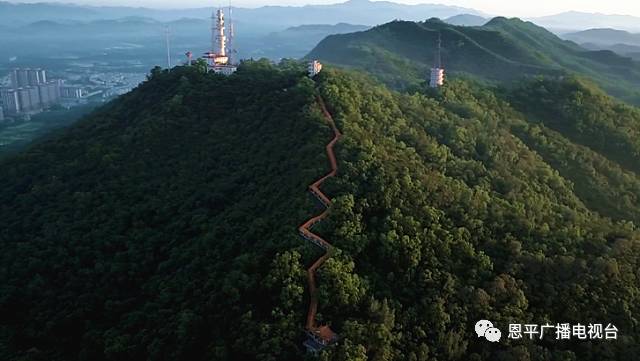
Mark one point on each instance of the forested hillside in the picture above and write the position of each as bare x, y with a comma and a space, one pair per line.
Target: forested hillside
158, 228
400, 53
163, 226
454, 207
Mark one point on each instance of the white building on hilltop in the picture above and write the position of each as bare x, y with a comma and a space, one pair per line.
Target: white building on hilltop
436, 78
314, 68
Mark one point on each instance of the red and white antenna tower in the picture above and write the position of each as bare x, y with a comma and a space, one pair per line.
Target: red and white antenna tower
219, 56
220, 40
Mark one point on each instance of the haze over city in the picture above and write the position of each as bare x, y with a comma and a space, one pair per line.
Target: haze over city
523, 8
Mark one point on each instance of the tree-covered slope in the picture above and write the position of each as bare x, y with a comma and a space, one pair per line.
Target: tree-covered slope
151, 230
163, 226
400, 53
453, 208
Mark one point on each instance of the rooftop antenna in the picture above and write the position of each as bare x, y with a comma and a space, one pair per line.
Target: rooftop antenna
168, 48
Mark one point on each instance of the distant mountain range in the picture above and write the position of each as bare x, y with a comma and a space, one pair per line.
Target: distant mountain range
604, 37
619, 41
575, 20
401, 53
274, 18
277, 17
466, 20
297, 41
631, 51
17, 14
143, 38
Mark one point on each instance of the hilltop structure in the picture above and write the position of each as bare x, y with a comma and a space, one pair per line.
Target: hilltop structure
219, 58
436, 79
314, 68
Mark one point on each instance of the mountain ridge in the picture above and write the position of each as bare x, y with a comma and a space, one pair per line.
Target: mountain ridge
278, 16
604, 36
578, 20
521, 48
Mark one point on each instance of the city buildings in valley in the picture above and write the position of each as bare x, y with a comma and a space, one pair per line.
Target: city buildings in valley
31, 91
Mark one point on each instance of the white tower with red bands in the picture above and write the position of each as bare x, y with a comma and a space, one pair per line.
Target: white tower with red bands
436, 79
219, 60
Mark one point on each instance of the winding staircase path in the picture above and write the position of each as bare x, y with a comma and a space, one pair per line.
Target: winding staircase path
321, 334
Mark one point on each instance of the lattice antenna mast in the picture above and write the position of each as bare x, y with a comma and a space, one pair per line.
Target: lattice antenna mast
214, 26
232, 34
167, 33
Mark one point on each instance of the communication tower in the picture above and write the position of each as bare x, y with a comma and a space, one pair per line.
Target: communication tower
436, 79
167, 34
219, 61
231, 51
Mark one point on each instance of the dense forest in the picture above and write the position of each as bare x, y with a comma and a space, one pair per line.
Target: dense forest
157, 227
16, 136
399, 53
163, 225
455, 206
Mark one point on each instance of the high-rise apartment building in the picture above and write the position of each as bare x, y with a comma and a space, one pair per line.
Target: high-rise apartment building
27, 77
72, 92
49, 93
31, 91
24, 99
10, 101
19, 78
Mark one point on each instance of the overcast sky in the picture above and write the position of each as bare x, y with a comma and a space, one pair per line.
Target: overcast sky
522, 8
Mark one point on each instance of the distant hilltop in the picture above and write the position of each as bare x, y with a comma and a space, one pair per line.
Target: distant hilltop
400, 53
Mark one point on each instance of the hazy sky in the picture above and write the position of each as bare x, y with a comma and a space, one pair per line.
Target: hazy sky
523, 8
